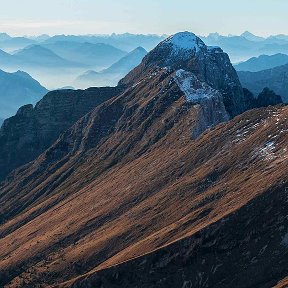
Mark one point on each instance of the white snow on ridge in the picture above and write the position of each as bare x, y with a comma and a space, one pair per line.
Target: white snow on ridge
268, 151
194, 90
185, 41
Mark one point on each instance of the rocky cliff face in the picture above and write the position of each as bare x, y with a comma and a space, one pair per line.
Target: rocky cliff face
268, 97
210, 101
26, 135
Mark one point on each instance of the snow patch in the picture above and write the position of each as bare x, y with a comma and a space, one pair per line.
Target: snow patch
194, 89
244, 133
185, 41
267, 152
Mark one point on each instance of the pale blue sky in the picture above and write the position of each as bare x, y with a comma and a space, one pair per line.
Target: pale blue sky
262, 17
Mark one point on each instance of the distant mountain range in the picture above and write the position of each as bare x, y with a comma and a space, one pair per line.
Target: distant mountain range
262, 62
114, 73
97, 55
126, 41
56, 71
249, 36
247, 45
17, 89
275, 79
34, 56
37, 55
58, 60
10, 44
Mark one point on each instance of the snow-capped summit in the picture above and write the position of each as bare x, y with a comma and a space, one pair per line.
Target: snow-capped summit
186, 41
185, 51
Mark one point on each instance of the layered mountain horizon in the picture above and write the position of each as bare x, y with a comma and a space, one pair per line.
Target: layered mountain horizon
176, 177
111, 75
73, 55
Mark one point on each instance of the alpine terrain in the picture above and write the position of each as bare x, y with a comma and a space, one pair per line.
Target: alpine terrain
170, 179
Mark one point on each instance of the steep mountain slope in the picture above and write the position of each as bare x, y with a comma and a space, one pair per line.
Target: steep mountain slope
262, 62
112, 75
17, 89
276, 79
141, 171
32, 130
179, 195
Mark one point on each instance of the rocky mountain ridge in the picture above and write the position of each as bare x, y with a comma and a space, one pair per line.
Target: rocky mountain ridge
31, 131
275, 79
151, 182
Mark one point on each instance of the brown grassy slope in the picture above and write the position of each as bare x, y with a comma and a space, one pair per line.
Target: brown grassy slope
282, 284
243, 249
175, 189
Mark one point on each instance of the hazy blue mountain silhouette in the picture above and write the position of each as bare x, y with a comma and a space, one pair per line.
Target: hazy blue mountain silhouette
111, 75
250, 36
18, 89
126, 41
41, 56
6, 58
10, 44
97, 55
248, 45
262, 62
4, 37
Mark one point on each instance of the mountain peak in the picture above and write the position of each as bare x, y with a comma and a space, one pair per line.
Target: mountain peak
139, 49
250, 36
247, 33
185, 41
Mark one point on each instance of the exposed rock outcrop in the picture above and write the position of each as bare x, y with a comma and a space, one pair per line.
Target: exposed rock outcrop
31, 131
212, 109
268, 97
275, 79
